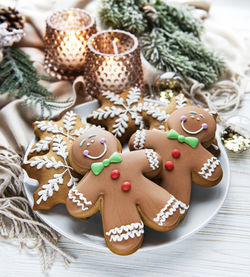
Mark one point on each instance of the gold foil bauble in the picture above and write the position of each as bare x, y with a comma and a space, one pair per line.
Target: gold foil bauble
236, 137
168, 85
234, 141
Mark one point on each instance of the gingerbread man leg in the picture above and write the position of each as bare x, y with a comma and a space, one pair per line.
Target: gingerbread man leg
122, 226
159, 209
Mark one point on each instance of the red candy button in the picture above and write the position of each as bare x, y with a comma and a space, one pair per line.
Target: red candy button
115, 174
176, 153
126, 186
169, 165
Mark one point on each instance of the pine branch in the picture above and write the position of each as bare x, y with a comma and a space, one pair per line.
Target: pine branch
164, 55
171, 42
124, 15
47, 104
173, 17
19, 77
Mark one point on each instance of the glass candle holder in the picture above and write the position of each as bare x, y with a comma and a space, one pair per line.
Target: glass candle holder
113, 62
67, 33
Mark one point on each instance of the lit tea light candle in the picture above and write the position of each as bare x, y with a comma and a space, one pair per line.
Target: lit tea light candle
67, 33
113, 62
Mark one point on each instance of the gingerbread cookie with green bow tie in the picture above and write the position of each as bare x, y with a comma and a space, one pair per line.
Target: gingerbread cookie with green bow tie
118, 185
185, 159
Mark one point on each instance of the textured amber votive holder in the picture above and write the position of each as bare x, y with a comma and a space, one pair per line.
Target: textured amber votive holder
113, 62
67, 33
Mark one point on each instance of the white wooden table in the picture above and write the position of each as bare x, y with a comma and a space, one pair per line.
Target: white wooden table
222, 248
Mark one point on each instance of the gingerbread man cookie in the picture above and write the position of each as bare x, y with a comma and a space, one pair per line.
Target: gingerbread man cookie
184, 157
118, 185
123, 114
47, 161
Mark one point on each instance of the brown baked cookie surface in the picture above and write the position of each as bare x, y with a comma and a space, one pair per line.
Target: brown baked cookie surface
118, 185
183, 155
47, 161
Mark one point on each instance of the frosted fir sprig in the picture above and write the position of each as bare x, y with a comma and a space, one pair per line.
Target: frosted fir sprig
169, 40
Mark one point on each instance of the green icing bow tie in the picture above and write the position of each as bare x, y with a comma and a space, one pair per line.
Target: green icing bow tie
97, 168
191, 141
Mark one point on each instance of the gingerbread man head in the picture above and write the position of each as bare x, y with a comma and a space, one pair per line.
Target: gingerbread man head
118, 185
193, 121
94, 146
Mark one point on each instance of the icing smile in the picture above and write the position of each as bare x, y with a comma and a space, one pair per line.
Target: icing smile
204, 126
86, 152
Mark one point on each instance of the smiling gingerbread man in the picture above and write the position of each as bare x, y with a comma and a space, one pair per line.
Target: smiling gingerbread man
117, 184
182, 151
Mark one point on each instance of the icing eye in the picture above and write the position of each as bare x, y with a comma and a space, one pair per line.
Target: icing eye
88, 144
198, 118
103, 140
205, 126
85, 152
92, 141
192, 116
183, 118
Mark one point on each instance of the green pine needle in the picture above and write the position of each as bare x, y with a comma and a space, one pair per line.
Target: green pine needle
19, 78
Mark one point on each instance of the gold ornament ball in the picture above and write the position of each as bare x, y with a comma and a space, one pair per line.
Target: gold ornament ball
168, 85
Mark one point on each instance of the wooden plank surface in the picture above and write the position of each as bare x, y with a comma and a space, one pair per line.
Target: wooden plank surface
222, 248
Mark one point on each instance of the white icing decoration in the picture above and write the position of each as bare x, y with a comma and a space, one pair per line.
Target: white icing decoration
191, 132
125, 107
81, 202
181, 101
69, 121
67, 130
99, 156
60, 147
152, 158
125, 232
155, 111
183, 207
209, 166
40, 162
170, 208
140, 137
42, 145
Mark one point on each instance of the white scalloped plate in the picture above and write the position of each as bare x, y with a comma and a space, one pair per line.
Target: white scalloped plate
205, 204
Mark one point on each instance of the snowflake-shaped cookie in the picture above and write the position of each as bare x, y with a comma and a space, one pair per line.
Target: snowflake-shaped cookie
47, 160
122, 114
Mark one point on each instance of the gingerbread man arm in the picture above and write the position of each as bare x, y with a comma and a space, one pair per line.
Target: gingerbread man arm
147, 161
207, 170
84, 199
140, 139
122, 225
